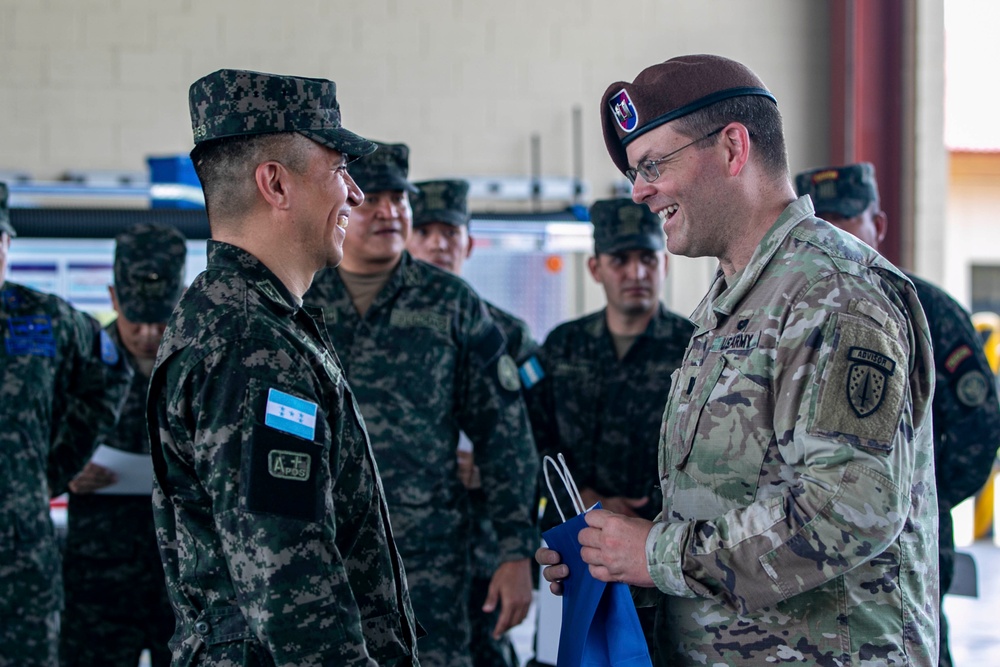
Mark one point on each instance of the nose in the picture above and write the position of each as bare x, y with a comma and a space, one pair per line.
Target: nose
439, 241
641, 190
355, 197
635, 270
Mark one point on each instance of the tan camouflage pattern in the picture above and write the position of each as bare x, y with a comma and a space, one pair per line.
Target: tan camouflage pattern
265, 567
799, 517
62, 383
424, 362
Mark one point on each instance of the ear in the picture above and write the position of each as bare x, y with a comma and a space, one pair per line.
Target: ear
114, 299
273, 183
595, 268
735, 139
471, 244
881, 221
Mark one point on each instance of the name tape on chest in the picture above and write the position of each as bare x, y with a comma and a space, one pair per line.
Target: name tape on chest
737, 342
290, 414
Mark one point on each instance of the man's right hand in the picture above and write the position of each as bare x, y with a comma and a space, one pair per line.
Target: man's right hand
92, 478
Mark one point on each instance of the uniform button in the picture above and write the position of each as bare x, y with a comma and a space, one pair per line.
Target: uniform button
202, 628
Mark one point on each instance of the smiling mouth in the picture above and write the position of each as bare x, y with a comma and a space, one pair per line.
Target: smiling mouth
668, 212
342, 221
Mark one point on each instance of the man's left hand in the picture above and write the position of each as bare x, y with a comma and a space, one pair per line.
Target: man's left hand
511, 587
614, 546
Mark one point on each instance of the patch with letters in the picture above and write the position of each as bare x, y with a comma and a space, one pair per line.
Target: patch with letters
508, 374
31, 335
283, 477
866, 380
531, 372
737, 342
290, 414
288, 465
956, 358
417, 318
624, 111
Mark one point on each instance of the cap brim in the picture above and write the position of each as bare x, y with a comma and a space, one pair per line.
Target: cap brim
385, 183
453, 218
632, 242
341, 140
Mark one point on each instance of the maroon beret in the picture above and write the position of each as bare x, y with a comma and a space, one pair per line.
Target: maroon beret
664, 92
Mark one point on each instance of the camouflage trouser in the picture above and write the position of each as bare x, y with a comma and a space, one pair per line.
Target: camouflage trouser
30, 641
439, 592
486, 651
114, 609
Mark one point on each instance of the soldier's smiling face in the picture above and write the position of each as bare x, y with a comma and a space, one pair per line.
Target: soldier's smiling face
378, 232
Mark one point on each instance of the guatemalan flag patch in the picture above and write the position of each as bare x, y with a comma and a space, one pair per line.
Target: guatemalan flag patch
290, 414
624, 111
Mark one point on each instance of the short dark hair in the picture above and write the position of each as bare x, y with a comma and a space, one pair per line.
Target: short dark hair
758, 114
226, 167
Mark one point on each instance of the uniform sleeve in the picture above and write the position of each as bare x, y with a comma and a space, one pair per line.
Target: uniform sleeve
493, 414
966, 411
95, 379
247, 455
845, 382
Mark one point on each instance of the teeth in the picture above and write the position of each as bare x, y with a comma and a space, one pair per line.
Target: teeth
342, 221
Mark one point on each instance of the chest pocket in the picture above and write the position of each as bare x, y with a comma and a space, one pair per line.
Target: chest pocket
726, 433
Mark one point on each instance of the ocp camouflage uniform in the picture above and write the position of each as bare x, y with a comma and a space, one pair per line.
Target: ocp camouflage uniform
62, 382
116, 598
275, 535
799, 515
426, 362
966, 416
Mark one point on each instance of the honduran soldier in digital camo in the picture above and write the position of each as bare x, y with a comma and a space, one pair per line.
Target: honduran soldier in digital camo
428, 362
441, 236
603, 379
270, 514
966, 411
116, 598
796, 460
62, 383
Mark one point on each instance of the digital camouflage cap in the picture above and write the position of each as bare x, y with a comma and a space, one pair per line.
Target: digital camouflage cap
149, 271
846, 191
232, 102
5, 224
385, 169
621, 224
441, 201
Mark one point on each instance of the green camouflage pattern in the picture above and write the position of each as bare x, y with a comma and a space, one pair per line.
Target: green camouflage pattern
5, 224
149, 271
277, 547
116, 598
427, 362
441, 201
966, 419
799, 517
621, 224
62, 383
384, 170
603, 413
232, 103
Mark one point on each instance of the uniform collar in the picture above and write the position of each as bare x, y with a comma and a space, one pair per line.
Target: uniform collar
225, 256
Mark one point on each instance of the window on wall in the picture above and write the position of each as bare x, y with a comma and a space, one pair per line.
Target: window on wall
986, 289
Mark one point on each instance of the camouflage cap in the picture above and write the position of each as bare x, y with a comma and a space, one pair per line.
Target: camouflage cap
232, 102
149, 271
385, 169
621, 224
5, 224
667, 91
441, 201
846, 191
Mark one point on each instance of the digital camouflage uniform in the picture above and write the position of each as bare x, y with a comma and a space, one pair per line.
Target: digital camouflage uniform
116, 598
427, 361
446, 201
62, 382
799, 518
275, 538
270, 514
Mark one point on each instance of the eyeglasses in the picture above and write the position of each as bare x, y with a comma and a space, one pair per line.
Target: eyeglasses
649, 169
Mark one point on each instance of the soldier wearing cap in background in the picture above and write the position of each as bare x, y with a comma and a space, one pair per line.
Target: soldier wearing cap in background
116, 599
966, 411
799, 518
606, 376
270, 514
441, 237
428, 362
62, 383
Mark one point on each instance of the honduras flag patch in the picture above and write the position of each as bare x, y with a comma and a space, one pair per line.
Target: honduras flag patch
531, 373
290, 414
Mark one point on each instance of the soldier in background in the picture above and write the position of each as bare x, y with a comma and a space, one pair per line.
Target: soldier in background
116, 599
441, 237
272, 524
606, 376
62, 383
428, 362
966, 410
